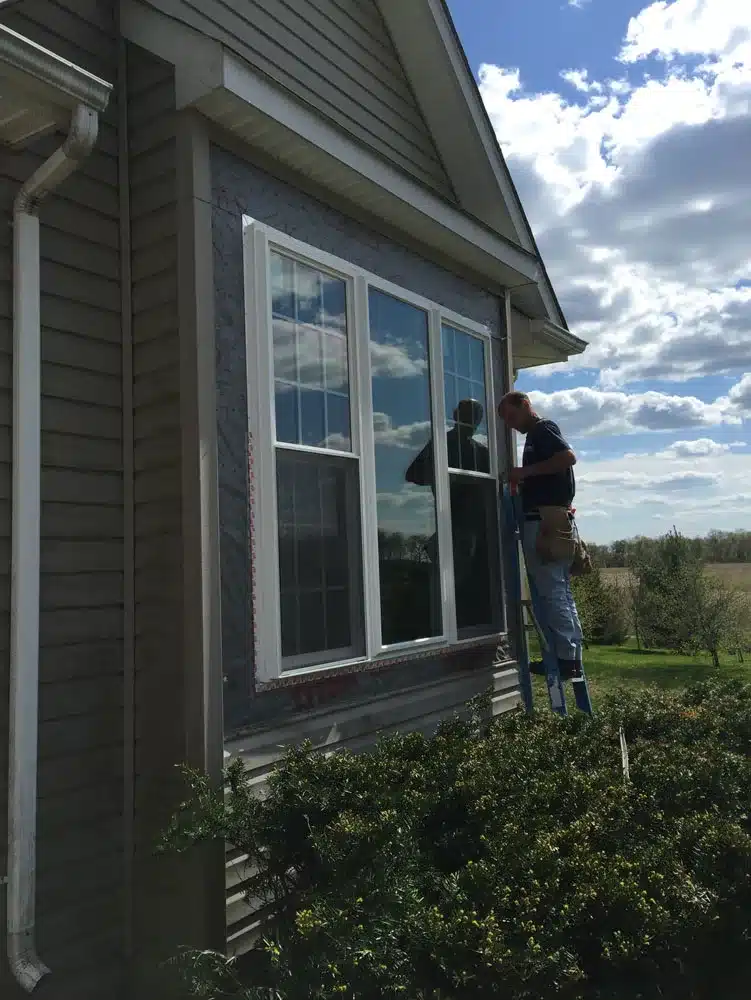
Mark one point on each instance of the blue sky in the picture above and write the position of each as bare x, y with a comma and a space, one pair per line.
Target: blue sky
544, 37
626, 126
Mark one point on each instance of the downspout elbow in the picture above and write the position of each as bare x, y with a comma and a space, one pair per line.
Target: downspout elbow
24, 961
82, 136
27, 967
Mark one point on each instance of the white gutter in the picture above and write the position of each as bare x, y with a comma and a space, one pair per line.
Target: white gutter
557, 336
24, 661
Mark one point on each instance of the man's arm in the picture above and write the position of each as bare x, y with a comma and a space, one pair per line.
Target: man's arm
420, 472
550, 441
559, 462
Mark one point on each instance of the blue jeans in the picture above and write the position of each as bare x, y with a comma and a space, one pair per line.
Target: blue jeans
552, 581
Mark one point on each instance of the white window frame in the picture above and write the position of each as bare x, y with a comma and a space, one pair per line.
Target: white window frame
447, 318
259, 240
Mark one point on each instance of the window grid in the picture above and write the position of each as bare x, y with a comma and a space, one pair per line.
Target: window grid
324, 587
320, 375
465, 379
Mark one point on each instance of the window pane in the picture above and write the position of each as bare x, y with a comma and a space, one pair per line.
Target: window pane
337, 415
313, 418
282, 287
334, 304
313, 632
463, 353
474, 529
476, 359
287, 412
308, 297
335, 363
285, 350
311, 359
466, 401
337, 616
320, 565
449, 350
450, 396
406, 508
290, 619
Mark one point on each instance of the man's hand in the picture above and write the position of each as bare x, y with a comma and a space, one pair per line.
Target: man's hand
516, 476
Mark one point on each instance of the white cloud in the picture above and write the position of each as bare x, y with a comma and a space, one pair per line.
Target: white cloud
618, 498
639, 192
410, 436
740, 395
658, 483
589, 412
696, 449
687, 27
579, 80
393, 360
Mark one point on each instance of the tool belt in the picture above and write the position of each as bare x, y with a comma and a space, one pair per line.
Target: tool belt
558, 539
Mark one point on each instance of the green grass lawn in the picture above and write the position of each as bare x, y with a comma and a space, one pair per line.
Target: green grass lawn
610, 667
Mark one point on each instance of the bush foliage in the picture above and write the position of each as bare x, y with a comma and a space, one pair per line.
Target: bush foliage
509, 861
676, 604
603, 609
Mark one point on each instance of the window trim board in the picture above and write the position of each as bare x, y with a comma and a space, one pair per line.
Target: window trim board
264, 558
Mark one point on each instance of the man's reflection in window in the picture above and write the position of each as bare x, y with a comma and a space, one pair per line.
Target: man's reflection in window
464, 451
472, 513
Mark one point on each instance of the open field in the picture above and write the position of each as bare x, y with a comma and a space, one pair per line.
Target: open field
731, 574
610, 667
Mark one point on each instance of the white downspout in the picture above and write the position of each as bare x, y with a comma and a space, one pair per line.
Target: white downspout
24, 660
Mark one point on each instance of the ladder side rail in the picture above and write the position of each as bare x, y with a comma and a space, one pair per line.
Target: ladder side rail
515, 595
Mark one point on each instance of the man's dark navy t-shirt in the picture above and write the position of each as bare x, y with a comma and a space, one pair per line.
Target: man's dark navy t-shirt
543, 441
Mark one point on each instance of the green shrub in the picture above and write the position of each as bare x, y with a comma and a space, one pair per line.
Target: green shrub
677, 604
603, 609
512, 862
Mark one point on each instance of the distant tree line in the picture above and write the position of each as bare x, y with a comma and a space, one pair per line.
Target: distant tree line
716, 547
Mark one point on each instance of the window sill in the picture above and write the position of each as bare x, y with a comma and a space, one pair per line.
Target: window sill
389, 657
352, 719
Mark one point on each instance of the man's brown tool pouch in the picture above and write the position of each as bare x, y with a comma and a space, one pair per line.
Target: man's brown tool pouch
559, 541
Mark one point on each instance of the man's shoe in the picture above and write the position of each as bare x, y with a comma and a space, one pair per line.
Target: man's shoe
570, 670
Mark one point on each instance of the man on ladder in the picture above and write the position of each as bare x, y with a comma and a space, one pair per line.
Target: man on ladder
549, 543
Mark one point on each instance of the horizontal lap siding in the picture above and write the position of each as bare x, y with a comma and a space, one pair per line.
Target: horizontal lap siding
335, 55
354, 727
80, 826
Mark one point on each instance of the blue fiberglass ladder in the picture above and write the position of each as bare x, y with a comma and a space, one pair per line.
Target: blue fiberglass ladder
556, 693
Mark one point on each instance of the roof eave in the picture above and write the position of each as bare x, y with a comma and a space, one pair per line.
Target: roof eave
558, 337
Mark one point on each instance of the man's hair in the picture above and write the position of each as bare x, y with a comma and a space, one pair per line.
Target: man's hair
515, 399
